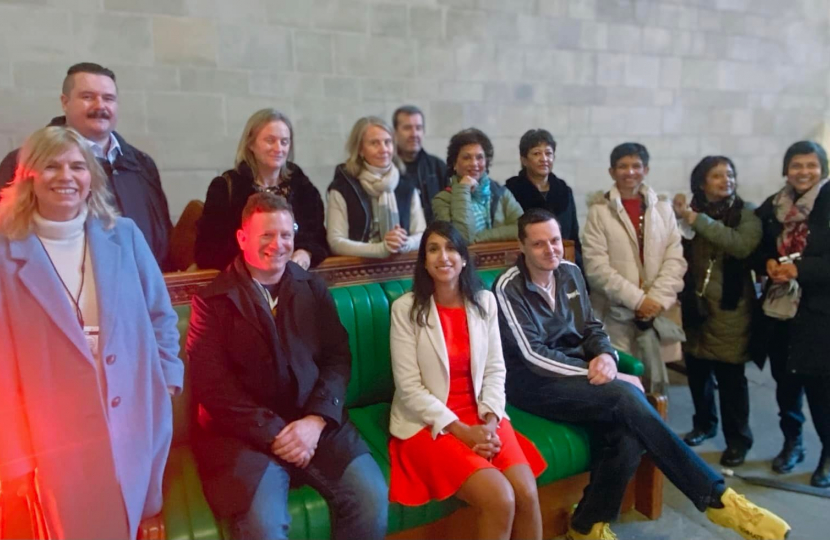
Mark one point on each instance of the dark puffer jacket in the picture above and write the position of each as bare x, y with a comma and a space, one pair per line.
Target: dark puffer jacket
135, 181
809, 338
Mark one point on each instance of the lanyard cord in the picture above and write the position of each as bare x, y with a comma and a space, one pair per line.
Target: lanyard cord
76, 303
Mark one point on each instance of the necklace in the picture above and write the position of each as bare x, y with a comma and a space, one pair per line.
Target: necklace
76, 301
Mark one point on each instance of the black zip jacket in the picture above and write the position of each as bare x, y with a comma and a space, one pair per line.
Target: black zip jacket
540, 341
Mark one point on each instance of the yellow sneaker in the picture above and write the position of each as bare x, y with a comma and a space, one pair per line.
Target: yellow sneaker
747, 519
600, 531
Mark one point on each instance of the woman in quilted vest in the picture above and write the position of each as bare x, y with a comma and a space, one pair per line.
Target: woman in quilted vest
373, 211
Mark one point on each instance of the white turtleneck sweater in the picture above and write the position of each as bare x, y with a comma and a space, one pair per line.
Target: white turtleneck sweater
64, 242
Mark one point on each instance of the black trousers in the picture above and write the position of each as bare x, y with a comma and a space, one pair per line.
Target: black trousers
733, 391
624, 426
791, 388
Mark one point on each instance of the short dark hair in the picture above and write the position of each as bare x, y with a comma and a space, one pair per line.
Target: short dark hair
462, 139
532, 216
84, 67
806, 147
533, 138
264, 202
698, 179
629, 149
407, 110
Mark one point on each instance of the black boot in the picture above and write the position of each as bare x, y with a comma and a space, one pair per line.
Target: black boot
697, 436
733, 456
790, 455
821, 478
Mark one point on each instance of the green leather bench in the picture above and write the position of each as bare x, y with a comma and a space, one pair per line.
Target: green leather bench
364, 311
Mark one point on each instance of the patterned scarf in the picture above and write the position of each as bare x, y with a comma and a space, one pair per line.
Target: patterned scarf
792, 211
480, 202
380, 184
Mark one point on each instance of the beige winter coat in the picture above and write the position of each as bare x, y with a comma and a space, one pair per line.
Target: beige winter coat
612, 267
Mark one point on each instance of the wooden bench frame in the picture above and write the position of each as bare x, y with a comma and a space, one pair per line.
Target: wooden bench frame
645, 493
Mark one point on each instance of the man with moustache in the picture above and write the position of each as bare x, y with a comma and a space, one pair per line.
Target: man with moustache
89, 99
270, 365
561, 366
428, 172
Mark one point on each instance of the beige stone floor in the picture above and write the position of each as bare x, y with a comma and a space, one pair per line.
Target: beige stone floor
809, 516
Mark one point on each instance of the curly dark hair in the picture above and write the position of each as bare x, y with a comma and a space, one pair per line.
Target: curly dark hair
462, 139
423, 286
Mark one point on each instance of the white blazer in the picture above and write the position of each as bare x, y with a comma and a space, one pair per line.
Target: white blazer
421, 367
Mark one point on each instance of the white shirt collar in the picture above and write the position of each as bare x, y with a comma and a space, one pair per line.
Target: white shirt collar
98, 150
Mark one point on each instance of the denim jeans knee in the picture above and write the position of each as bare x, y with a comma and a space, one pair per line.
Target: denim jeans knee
361, 501
268, 517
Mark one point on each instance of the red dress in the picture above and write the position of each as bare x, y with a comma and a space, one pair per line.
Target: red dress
425, 469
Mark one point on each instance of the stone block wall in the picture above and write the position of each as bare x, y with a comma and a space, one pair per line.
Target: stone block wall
687, 78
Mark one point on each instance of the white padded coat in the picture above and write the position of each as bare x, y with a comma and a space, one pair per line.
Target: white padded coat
611, 256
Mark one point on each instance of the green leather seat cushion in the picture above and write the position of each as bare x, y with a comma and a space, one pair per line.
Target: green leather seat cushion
364, 312
564, 447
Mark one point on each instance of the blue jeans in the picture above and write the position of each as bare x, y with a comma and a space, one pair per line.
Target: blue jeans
624, 425
358, 502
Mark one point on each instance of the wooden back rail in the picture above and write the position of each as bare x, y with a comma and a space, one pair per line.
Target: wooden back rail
356, 270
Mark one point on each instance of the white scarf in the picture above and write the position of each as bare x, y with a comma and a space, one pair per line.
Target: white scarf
380, 184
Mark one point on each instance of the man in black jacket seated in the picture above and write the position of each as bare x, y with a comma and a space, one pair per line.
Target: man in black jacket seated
270, 363
90, 102
427, 172
561, 366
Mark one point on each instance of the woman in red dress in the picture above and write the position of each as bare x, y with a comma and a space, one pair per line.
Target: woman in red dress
450, 434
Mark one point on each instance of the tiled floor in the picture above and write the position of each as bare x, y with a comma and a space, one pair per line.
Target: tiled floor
809, 516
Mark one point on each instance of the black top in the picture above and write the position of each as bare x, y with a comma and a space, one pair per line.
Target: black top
136, 185
216, 245
809, 340
559, 200
429, 174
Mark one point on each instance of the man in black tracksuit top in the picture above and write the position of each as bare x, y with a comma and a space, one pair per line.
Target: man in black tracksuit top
561, 366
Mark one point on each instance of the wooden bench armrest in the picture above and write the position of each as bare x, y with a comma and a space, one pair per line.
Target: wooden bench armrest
151, 528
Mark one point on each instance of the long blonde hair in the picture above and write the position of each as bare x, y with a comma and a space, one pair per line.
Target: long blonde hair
255, 123
355, 162
18, 201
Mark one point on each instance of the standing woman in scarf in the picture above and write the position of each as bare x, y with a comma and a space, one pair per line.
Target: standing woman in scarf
717, 303
795, 221
481, 210
88, 349
372, 210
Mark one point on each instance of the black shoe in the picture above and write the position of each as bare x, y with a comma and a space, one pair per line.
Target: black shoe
697, 436
791, 455
821, 478
733, 456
